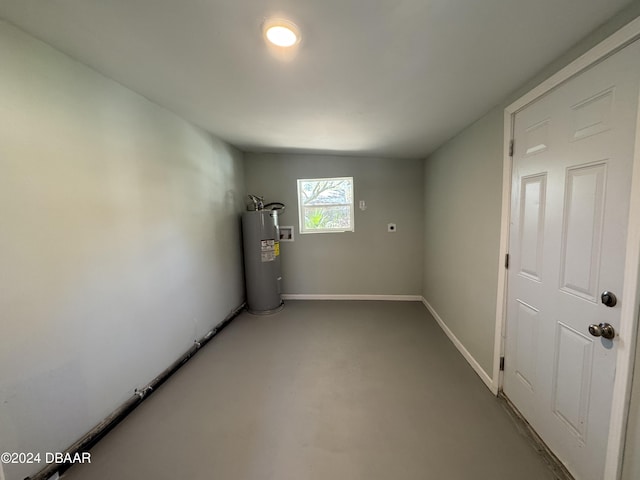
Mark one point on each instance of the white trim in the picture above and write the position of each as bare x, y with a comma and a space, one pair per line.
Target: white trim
629, 312
316, 296
501, 300
465, 353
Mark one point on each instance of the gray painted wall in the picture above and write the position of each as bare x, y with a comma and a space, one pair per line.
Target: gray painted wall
119, 244
463, 188
454, 171
367, 261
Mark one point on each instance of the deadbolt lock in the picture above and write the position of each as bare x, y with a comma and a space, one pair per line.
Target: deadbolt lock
608, 299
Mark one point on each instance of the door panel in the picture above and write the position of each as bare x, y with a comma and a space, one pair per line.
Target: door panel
572, 379
527, 340
532, 203
569, 207
537, 138
591, 116
582, 230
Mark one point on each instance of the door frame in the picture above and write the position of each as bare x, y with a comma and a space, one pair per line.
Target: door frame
631, 289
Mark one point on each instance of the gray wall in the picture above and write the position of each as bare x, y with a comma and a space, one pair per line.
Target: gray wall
453, 277
463, 188
367, 261
119, 244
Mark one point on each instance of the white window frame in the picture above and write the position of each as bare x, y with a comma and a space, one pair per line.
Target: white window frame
301, 207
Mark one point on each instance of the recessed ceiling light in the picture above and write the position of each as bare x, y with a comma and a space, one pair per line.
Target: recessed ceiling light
281, 33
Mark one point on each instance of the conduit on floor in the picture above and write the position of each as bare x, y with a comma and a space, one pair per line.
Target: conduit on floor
85, 443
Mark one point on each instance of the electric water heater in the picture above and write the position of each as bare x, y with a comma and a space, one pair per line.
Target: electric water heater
261, 238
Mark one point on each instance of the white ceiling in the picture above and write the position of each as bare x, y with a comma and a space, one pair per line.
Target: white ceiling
390, 78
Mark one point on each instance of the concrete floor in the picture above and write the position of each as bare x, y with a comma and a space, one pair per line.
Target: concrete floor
322, 390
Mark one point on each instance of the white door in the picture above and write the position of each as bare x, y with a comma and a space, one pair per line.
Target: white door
571, 183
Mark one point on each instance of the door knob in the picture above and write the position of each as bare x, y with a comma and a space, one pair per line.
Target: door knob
595, 330
608, 299
603, 330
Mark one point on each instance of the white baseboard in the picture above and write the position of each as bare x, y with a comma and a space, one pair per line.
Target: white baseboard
493, 386
315, 296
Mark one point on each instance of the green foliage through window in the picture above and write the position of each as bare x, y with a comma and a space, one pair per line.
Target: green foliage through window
325, 204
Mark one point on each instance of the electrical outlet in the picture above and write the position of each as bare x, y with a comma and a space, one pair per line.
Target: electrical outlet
391, 227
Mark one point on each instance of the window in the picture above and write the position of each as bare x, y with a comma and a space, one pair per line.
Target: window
325, 205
